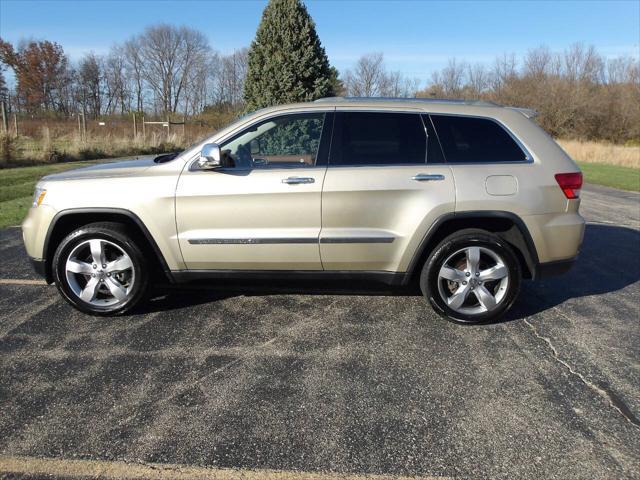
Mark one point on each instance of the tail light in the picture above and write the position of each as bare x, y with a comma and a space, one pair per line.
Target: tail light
570, 183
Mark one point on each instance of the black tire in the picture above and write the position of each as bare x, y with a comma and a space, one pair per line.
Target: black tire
454, 244
117, 234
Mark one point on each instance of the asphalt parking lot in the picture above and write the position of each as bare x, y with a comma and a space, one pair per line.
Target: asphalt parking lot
350, 379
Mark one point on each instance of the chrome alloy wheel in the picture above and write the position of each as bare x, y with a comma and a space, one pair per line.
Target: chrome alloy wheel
473, 280
100, 273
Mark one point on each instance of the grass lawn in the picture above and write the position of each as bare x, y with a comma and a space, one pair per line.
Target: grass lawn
17, 184
624, 178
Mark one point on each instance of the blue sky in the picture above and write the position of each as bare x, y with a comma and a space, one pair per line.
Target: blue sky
416, 37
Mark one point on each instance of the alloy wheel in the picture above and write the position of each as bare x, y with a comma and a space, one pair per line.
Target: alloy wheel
100, 273
473, 280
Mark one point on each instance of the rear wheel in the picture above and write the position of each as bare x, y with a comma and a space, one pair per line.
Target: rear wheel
100, 270
473, 276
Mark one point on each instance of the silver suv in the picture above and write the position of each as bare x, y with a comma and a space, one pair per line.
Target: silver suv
466, 198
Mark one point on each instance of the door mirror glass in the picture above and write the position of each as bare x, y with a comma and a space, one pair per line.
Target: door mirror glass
210, 157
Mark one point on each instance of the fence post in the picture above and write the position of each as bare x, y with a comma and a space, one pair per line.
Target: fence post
84, 127
5, 120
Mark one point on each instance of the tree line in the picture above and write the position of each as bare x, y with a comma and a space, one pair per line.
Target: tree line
578, 92
165, 69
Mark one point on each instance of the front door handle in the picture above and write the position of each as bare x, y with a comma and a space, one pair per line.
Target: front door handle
427, 177
297, 180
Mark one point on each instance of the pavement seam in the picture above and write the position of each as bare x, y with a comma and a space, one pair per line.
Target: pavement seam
19, 281
604, 393
141, 470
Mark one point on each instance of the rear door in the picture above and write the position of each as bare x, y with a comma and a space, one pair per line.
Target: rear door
382, 191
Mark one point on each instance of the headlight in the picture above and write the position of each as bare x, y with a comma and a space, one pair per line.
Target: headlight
38, 196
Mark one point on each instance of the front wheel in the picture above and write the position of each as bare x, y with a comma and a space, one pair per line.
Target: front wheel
100, 270
472, 276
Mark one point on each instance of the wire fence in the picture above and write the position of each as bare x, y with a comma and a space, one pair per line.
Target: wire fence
33, 139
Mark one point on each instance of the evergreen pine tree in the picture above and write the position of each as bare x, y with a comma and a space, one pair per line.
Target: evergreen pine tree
286, 62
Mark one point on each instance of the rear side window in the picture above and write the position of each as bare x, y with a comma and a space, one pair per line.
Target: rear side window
475, 140
362, 138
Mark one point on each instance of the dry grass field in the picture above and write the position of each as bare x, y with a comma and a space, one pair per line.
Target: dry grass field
600, 152
56, 140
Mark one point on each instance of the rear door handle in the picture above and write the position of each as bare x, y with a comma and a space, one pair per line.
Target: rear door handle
427, 177
297, 180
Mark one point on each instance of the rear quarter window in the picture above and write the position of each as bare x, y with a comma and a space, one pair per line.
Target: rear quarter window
475, 140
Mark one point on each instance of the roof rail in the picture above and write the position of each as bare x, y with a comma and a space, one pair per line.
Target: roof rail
403, 99
527, 112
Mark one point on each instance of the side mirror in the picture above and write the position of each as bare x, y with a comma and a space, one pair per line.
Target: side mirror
210, 157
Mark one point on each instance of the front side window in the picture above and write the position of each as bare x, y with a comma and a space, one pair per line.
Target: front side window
363, 138
475, 140
284, 141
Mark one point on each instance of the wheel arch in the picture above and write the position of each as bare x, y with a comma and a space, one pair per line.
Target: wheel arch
508, 226
66, 221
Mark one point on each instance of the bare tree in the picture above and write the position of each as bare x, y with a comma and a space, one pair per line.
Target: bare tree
135, 69
231, 75
504, 69
170, 56
478, 79
397, 85
370, 78
582, 63
452, 78
90, 84
115, 80
4, 91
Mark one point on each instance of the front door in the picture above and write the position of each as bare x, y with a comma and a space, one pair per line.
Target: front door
383, 190
262, 210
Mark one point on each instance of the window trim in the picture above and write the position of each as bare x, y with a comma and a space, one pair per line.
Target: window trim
435, 132
378, 165
329, 116
528, 157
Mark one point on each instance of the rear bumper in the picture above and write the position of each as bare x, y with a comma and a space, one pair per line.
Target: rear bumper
552, 269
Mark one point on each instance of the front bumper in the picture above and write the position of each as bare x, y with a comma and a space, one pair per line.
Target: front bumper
34, 233
40, 267
34, 230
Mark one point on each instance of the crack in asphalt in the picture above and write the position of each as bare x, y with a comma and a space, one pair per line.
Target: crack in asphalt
613, 400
